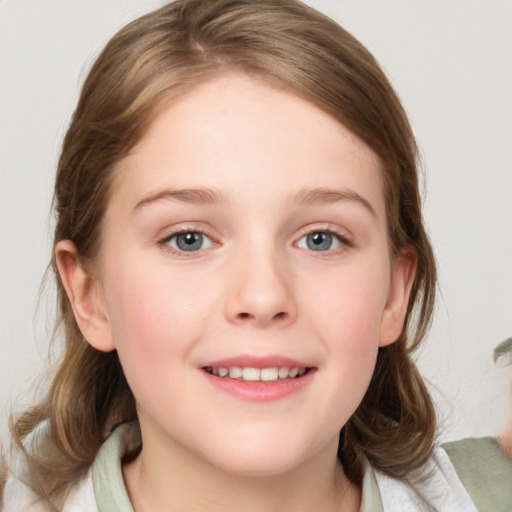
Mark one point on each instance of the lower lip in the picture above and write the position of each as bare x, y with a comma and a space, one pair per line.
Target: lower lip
260, 391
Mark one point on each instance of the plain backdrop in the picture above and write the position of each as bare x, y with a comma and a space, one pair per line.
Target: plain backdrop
451, 63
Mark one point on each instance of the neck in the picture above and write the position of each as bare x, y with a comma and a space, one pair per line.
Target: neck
158, 480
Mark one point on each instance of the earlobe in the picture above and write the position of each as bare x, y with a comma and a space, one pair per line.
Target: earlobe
402, 279
85, 297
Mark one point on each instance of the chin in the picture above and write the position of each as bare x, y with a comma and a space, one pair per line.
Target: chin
261, 465
265, 455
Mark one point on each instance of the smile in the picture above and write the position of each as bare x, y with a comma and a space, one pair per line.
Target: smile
250, 374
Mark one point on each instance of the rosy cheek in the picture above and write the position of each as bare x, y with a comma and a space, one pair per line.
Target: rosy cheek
347, 311
155, 313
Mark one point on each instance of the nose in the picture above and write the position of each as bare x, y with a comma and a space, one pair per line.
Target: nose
261, 290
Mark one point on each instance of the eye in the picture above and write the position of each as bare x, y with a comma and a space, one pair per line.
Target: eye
188, 241
321, 241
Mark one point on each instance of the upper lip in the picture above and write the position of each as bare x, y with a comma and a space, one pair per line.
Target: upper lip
252, 361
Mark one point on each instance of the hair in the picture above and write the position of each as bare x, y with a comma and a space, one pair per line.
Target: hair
152, 61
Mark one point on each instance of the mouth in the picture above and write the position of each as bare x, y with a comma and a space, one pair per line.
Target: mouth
251, 374
259, 378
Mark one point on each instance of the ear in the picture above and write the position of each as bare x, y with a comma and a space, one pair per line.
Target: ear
85, 296
402, 279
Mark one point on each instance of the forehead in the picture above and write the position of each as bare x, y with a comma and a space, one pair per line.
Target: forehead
237, 133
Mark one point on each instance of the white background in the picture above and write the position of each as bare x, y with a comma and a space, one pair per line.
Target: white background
451, 62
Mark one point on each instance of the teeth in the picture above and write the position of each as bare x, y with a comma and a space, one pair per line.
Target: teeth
294, 372
235, 372
283, 372
256, 374
269, 374
251, 374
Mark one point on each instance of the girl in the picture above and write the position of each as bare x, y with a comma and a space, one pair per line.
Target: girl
243, 274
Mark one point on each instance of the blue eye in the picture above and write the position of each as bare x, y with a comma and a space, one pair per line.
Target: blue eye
189, 241
320, 241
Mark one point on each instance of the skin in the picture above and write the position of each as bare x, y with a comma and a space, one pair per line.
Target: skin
255, 288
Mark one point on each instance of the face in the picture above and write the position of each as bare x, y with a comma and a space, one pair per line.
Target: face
245, 277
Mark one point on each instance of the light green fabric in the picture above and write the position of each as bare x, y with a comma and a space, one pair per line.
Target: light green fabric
107, 473
370, 499
484, 471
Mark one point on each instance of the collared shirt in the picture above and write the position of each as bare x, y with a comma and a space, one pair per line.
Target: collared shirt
442, 489
435, 487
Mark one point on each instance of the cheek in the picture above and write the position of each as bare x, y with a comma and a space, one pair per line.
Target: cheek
346, 316
348, 307
156, 318
154, 312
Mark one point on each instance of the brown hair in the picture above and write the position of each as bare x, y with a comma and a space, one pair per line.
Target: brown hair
156, 58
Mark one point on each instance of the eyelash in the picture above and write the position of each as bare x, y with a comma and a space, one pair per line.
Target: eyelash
164, 243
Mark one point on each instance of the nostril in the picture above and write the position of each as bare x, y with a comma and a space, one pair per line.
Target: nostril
281, 316
244, 316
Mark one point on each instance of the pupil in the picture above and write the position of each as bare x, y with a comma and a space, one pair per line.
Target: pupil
189, 241
319, 238
190, 238
319, 241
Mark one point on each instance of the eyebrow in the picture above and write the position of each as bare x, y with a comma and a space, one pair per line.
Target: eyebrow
326, 196
199, 196
209, 196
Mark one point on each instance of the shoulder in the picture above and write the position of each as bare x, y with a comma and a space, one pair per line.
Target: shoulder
484, 471
467, 475
102, 488
18, 495
434, 486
